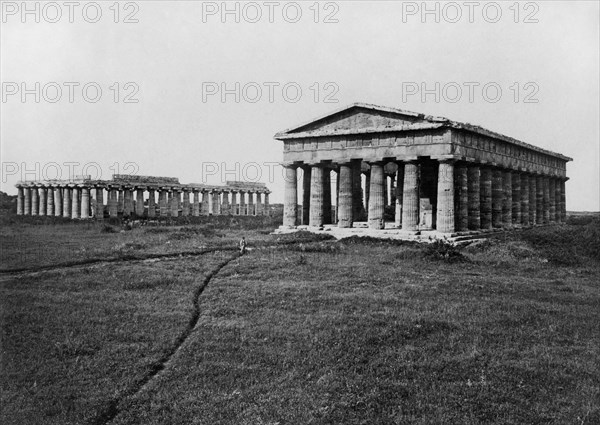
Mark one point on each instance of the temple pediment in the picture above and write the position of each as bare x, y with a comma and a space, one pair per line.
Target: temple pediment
359, 117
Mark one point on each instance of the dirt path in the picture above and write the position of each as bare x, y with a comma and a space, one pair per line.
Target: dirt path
113, 408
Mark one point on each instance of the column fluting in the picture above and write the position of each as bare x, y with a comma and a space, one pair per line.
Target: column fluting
485, 198
410, 196
445, 197
316, 197
290, 204
474, 197
345, 206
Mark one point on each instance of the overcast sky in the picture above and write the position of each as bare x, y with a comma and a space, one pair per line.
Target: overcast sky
179, 55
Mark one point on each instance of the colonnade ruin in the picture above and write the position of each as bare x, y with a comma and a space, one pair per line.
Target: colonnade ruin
434, 174
82, 198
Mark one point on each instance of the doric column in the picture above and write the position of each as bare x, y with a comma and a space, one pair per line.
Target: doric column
516, 198
35, 201
557, 202
316, 197
367, 189
532, 200
99, 202
127, 202
259, 204
376, 196
234, 203
112, 202
358, 207
50, 201
27, 201
267, 207
67, 197
205, 205
546, 213
225, 206
445, 197
42, 202
525, 199
385, 190
485, 197
20, 200
337, 197
563, 202
195, 203
251, 208
461, 197
216, 202
552, 196
474, 197
175, 202
151, 202
507, 199
290, 200
85, 202
243, 209
393, 191
497, 198
398, 195
58, 202
410, 197
539, 199
185, 208
163, 206
306, 177
120, 201
345, 204
139, 202
75, 205
327, 196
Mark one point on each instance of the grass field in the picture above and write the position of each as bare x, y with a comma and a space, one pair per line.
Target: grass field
300, 330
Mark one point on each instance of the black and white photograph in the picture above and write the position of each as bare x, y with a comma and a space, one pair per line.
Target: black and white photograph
353, 212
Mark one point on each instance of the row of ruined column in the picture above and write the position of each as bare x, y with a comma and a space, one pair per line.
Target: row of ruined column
469, 196
489, 197
77, 202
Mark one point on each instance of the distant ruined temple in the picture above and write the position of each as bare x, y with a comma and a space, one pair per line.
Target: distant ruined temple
82, 197
435, 174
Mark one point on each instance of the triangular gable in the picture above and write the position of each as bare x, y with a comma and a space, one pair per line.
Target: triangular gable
359, 116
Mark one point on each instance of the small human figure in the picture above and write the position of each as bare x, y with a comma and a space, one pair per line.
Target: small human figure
243, 246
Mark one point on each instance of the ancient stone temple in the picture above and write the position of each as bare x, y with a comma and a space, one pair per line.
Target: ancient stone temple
423, 173
125, 196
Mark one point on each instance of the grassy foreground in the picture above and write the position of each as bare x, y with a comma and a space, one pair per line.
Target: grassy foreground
314, 332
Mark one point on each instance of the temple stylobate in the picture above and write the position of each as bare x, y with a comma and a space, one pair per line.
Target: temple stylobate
139, 196
427, 173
